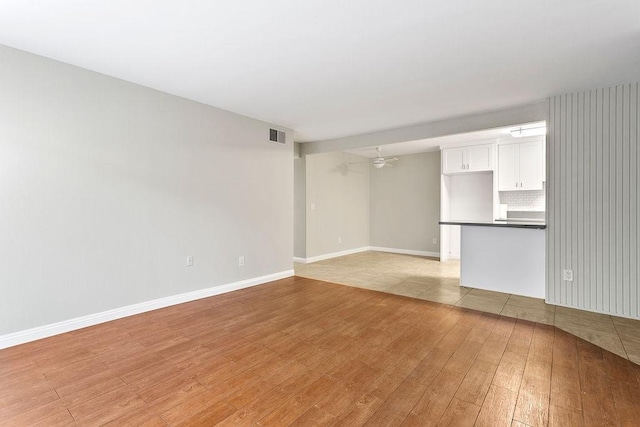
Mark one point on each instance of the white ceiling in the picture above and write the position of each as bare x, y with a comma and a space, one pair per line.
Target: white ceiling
336, 68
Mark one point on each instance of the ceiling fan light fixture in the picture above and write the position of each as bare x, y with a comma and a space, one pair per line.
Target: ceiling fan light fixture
378, 162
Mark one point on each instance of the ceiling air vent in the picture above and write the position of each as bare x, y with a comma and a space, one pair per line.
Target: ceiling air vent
277, 136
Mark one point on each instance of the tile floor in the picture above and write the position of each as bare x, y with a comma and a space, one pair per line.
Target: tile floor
430, 279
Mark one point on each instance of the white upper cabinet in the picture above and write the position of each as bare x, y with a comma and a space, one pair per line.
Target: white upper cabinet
521, 166
508, 175
479, 157
474, 158
453, 160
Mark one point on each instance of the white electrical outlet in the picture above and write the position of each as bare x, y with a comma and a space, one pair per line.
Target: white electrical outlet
339, 239
189, 261
241, 261
434, 241
567, 275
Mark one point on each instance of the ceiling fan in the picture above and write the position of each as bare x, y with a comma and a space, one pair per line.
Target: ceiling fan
379, 161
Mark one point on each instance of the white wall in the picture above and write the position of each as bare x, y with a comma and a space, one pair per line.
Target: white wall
593, 196
471, 196
337, 198
106, 187
465, 197
405, 203
299, 208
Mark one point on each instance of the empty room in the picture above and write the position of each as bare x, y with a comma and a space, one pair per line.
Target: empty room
319, 213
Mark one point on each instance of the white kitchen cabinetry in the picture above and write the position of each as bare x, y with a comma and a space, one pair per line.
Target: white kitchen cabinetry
474, 158
503, 259
521, 166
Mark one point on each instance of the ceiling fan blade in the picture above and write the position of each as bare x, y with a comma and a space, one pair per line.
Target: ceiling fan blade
357, 163
388, 164
390, 159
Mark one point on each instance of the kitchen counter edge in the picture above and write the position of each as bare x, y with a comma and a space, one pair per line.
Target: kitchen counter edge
519, 224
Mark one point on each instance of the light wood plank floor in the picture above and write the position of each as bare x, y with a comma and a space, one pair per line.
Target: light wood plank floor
305, 352
430, 279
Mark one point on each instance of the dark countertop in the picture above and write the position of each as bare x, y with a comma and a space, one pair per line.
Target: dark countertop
500, 223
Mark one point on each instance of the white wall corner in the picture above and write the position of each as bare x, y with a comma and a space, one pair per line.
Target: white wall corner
335, 254
21, 337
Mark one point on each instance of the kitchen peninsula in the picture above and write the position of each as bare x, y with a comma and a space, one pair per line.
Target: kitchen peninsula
503, 256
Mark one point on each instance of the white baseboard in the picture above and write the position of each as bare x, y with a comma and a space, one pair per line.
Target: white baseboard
364, 249
45, 331
608, 313
331, 255
405, 251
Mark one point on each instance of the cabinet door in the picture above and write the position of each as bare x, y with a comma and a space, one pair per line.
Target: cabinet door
479, 158
452, 160
531, 166
508, 178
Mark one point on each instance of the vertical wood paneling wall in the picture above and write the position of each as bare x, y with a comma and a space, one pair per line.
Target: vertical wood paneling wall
593, 187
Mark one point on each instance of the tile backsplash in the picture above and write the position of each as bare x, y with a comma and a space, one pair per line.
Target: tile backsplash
523, 200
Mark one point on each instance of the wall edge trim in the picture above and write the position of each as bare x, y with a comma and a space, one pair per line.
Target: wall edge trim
39, 332
591, 310
365, 249
334, 255
405, 251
